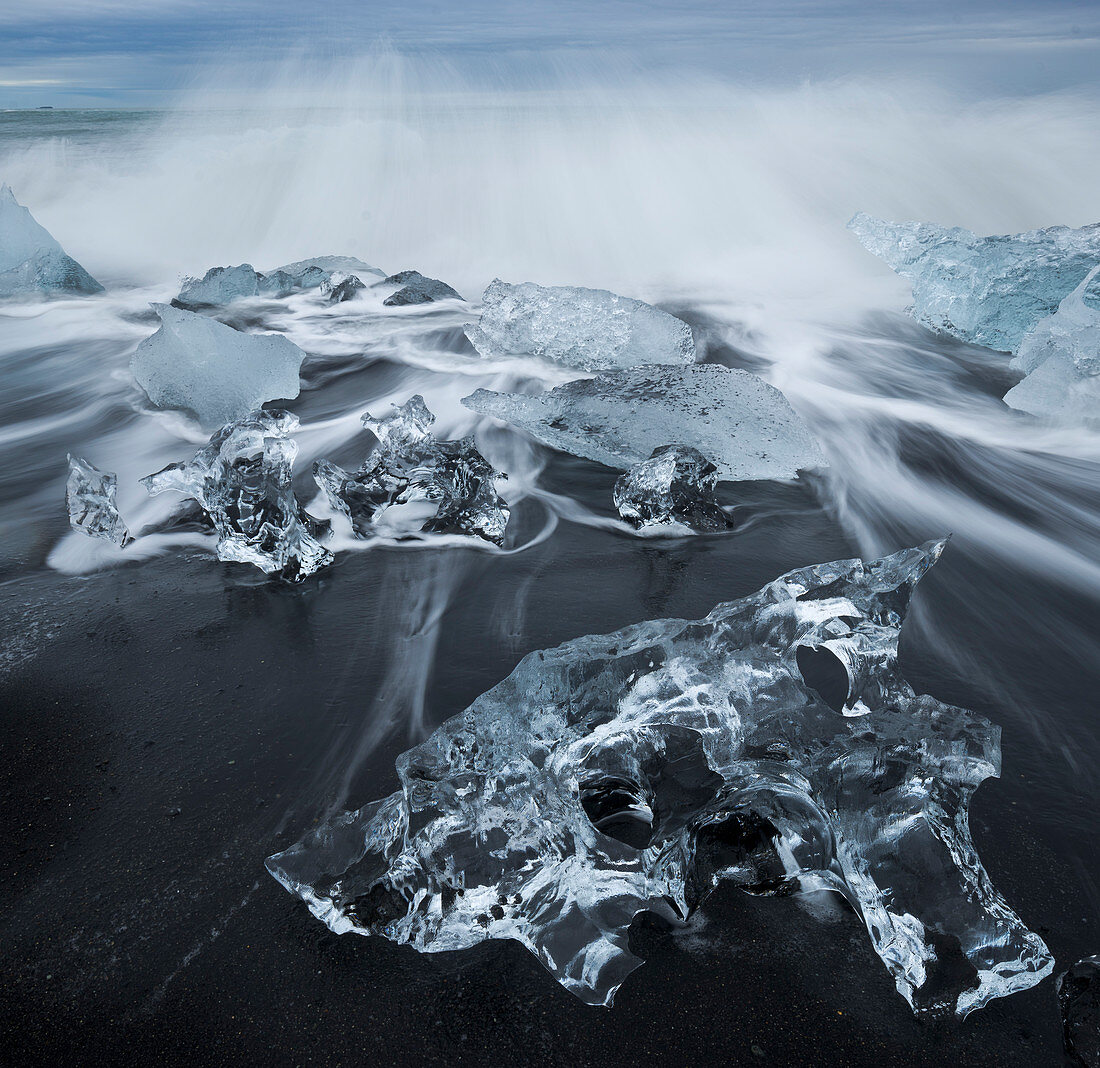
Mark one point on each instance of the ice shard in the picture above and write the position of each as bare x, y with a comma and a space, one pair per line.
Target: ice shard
987, 290
90, 497
591, 329
414, 482
416, 289
218, 373
32, 263
1079, 999
242, 481
675, 487
746, 427
1061, 357
633, 771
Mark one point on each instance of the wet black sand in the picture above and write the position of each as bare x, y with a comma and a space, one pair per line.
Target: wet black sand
165, 726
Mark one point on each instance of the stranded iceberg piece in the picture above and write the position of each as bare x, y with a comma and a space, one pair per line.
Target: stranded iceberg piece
31, 261
1079, 998
633, 771
90, 496
587, 328
988, 290
745, 426
416, 289
221, 285
413, 482
674, 487
205, 367
1061, 357
339, 292
242, 480
329, 265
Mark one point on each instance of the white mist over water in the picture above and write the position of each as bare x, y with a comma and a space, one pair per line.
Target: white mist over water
665, 188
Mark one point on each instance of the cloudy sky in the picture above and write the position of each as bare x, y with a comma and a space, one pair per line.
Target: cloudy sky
143, 52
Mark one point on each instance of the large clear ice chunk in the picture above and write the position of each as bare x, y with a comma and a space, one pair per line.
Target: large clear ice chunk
32, 263
591, 329
220, 374
675, 487
986, 290
90, 498
631, 772
1061, 358
242, 481
414, 482
745, 426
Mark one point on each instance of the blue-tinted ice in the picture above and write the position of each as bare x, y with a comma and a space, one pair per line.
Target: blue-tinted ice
220, 374
1061, 358
987, 290
32, 263
773, 743
591, 329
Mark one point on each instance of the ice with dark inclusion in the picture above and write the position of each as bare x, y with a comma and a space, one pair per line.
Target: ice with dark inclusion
1079, 999
774, 744
32, 263
330, 265
414, 482
200, 365
987, 290
242, 481
591, 329
743, 425
416, 289
223, 285
90, 498
675, 487
1061, 358
340, 291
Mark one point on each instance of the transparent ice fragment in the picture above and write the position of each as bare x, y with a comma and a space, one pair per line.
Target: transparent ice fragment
90, 496
675, 486
31, 260
1079, 998
242, 480
200, 365
416, 289
631, 772
987, 290
745, 426
591, 329
412, 481
1061, 357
